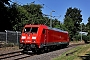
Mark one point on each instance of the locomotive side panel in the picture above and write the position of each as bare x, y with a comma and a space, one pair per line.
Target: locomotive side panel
57, 37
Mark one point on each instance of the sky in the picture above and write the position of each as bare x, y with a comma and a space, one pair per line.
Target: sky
60, 7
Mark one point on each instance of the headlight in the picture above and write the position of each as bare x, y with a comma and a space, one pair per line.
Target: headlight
22, 40
23, 37
33, 37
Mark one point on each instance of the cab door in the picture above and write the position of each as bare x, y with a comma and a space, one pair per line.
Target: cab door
43, 37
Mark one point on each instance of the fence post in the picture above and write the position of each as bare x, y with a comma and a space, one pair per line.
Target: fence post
6, 36
17, 36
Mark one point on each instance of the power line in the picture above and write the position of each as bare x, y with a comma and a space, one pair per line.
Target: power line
45, 5
41, 3
50, 9
34, 2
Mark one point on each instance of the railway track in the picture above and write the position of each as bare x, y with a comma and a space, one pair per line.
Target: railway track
17, 55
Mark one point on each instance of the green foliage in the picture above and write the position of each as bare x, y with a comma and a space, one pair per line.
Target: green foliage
56, 24
77, 37
86, 38
72, 21
17, 16
35, 13
26, 14
4, 15
69, 24
21, 19
84, 28
88, 26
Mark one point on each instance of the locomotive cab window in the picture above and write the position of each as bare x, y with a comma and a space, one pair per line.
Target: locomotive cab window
31, 29
27, 29
34, 29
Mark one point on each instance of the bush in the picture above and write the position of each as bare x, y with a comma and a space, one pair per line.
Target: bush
86, 38
9, 45
77, 37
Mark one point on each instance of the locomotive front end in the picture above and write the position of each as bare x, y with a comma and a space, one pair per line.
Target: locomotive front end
28, 39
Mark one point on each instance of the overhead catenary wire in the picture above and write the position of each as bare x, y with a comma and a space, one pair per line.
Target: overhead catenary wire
41, 3
50, 9
44, 5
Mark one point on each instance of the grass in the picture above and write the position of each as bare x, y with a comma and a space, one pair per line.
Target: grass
79, 53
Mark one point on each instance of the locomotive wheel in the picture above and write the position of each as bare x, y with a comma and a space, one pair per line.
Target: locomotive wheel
45, 48
48, 49
42, 50
66, 45
35, 50
24, 51
54, 47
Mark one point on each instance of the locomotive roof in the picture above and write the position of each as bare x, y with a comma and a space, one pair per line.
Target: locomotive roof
57, 30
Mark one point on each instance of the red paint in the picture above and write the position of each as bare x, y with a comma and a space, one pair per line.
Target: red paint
44, 35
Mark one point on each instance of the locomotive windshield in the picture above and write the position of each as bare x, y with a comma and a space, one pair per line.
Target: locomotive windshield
31, 29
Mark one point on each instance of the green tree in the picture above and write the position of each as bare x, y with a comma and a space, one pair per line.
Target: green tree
88, 26
35, 13
26, 14
84, 29
13, 15
21, 19
17, 16
4, 22
72, 21
69, 24
56, 23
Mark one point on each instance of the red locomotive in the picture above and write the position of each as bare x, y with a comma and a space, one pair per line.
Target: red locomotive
41, 38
